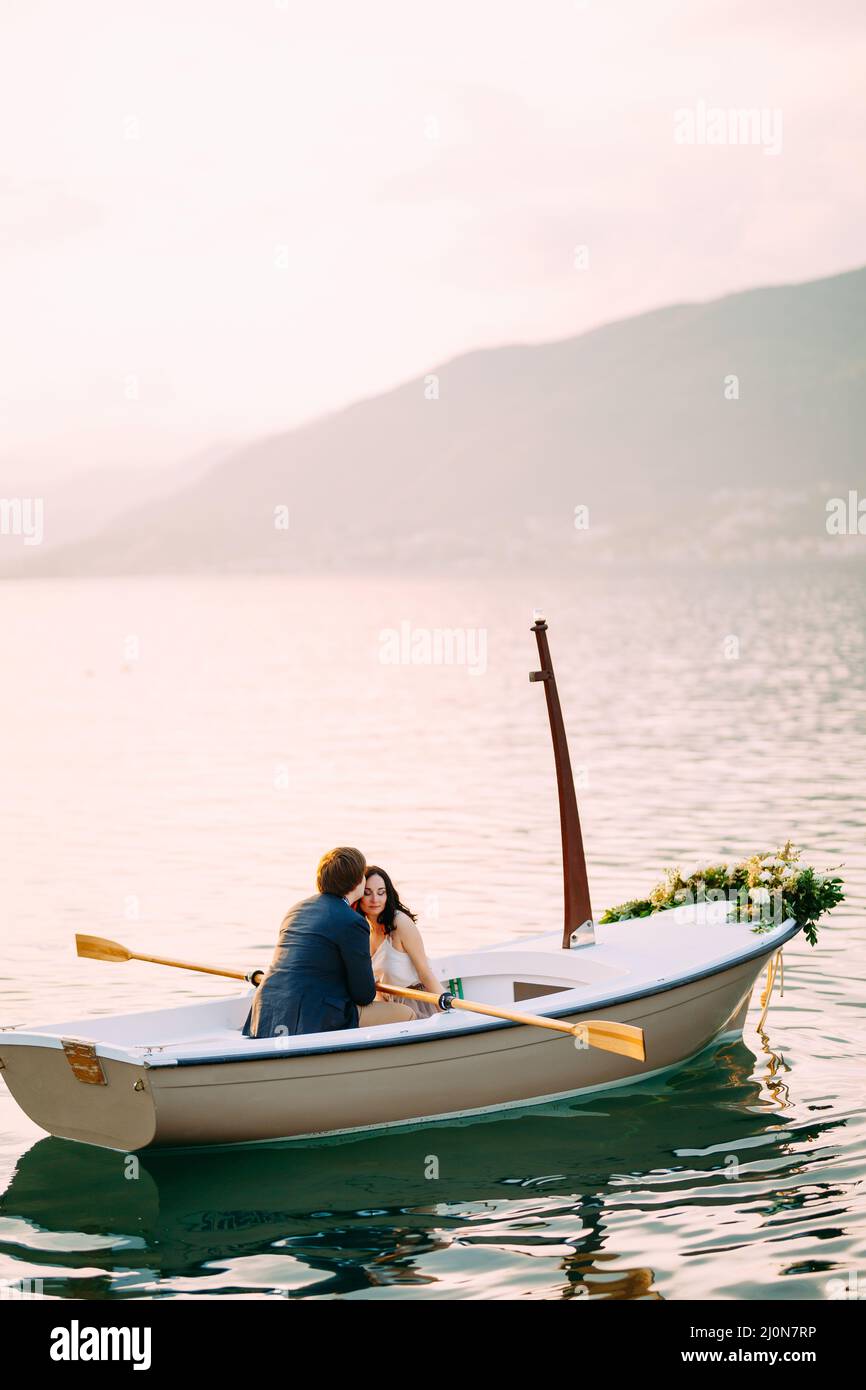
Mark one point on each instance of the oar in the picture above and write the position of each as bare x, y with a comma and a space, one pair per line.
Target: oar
623, 1038
100, 948
601, 1033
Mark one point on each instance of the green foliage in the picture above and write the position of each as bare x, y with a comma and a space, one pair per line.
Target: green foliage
765, 889
814, 895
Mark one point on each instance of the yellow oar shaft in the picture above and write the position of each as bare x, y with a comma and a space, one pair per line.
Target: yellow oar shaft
610, 1036
188, 965
553, 1024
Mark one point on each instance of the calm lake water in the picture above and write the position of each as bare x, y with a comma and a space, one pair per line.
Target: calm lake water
176, 753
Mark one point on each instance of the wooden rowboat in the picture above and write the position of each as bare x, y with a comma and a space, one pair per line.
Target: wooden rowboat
186, 1076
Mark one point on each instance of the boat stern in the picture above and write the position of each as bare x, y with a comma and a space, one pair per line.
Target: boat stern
67, 1088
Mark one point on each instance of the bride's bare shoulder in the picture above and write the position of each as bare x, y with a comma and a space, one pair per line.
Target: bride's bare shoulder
405, 927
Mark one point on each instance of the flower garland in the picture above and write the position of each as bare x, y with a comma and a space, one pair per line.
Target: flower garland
766, 888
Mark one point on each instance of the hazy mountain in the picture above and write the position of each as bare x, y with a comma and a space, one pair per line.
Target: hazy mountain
79, 506
630, 420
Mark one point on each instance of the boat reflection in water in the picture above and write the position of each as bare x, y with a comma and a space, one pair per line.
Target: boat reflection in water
409, 1207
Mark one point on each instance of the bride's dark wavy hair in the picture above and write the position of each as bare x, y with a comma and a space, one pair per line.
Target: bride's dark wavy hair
393, 904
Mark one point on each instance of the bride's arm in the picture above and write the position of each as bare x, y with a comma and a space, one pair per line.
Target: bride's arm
413, 945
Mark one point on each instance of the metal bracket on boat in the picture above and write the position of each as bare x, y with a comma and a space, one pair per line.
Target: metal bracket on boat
84, 1062
584, 935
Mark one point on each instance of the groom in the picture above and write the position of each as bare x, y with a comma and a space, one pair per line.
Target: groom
321, 977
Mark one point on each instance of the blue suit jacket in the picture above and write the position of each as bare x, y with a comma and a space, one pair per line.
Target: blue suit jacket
320, 971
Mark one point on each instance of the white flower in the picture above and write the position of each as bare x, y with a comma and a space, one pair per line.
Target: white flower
765, 877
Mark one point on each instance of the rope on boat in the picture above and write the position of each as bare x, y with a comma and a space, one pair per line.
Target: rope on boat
775, 966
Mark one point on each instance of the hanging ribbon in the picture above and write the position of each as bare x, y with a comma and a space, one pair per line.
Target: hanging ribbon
775, 966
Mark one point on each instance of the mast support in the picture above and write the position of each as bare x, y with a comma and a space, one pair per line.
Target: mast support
578, 927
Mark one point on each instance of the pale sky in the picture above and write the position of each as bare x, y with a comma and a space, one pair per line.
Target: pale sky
221, 217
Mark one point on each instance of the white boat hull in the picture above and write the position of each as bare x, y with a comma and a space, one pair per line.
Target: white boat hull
218, 1088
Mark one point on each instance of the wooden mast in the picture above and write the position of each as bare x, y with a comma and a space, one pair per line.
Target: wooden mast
578, 910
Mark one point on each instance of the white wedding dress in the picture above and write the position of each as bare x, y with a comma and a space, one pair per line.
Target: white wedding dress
392, 966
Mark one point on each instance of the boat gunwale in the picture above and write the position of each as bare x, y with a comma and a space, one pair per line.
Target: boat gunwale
352, 1044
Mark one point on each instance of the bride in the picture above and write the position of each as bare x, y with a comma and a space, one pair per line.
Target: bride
396, 947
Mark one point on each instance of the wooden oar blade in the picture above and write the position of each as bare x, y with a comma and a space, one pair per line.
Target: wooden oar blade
100, 948
623, 1038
